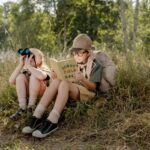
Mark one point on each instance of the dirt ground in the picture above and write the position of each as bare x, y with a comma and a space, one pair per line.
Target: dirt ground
72, 137
113, 131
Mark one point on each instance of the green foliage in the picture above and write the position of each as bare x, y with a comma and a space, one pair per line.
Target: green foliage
3, 35
52, 25
31, 29
95, 18
144, 29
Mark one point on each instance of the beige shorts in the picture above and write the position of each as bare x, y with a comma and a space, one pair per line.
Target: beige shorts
85, 95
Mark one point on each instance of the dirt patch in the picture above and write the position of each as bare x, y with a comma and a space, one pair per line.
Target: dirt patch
119, 133
70, 137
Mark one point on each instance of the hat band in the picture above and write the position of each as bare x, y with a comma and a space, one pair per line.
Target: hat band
76, 49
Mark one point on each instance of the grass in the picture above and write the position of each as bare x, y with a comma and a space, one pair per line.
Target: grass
118, 120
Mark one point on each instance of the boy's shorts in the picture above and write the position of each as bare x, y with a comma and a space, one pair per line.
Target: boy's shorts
85, 94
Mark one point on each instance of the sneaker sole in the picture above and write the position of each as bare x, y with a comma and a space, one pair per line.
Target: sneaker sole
31, 130
38, 134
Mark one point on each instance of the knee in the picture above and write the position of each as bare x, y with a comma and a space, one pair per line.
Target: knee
55, 83
33, 79
20, 78
64, 84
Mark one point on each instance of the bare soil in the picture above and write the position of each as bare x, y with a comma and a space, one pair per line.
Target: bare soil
69, 137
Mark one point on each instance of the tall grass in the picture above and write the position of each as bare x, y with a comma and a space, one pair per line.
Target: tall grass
121, 116
133, 80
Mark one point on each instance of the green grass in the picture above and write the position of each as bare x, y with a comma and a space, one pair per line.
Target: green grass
120, 119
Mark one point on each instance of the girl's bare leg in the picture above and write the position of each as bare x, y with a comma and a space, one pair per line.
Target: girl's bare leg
22, 90
36, 88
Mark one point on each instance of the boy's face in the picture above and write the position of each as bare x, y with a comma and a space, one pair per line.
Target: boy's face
81, 56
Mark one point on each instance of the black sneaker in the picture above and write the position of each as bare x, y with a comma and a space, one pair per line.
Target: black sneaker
32, 125
18, 114
45, 129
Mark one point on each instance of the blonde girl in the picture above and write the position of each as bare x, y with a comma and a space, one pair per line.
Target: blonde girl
30, 78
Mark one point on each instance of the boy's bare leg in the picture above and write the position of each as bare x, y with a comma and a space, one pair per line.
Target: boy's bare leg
47, 97
65, 90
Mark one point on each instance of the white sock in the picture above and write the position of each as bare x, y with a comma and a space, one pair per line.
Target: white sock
32, 102
23, 103
39, 111
54, 116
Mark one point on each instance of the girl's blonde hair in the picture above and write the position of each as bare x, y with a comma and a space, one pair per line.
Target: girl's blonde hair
39, 53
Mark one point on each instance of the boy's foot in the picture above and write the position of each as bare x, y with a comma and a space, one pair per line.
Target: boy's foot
18, 114
45, 129
32, 125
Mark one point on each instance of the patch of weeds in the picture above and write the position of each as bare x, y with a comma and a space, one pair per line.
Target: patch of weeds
16, 145
7, 101
75, 114
136, 131
134, 104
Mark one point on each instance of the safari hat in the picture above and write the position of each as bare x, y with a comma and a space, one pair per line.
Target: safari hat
82, 41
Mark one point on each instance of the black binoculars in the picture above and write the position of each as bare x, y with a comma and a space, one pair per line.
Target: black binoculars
25, 51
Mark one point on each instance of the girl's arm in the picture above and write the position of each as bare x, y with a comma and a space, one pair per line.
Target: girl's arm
16, 72
39, 74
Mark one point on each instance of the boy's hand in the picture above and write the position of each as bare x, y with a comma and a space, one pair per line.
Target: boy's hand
79, 76
53, 74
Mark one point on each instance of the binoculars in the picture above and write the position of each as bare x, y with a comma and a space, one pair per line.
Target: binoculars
25, 51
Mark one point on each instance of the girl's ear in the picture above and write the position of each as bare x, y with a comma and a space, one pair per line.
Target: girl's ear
39, 61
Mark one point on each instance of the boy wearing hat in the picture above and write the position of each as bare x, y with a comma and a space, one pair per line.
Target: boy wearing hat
88, 78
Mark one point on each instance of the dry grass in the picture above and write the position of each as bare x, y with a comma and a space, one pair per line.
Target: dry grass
119, 120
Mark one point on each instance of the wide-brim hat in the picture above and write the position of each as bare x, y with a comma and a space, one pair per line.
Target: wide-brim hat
82, 41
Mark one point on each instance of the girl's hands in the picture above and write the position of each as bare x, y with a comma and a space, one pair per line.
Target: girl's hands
27, 63
22, 60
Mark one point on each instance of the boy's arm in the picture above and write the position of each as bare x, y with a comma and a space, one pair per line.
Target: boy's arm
88, 84
85, 82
